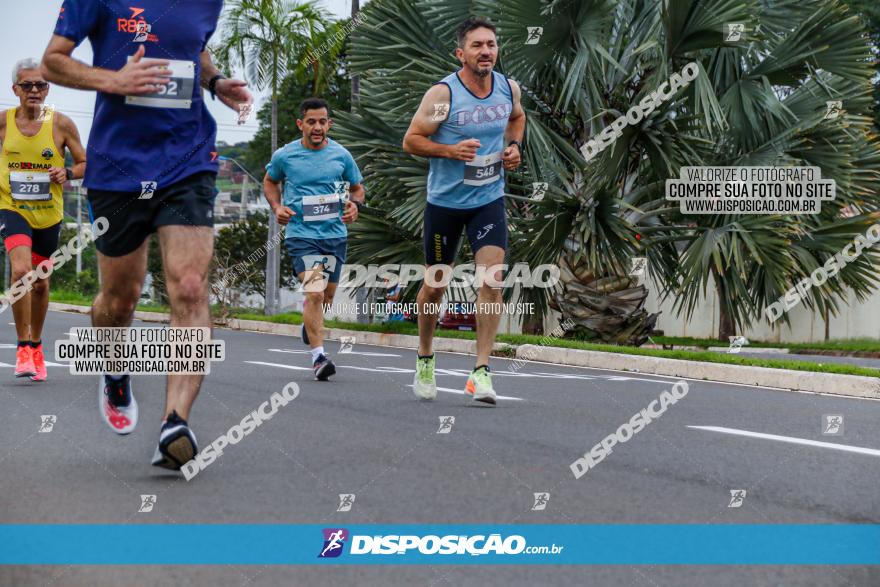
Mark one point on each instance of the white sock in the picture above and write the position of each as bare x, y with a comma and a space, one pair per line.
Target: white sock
317, 352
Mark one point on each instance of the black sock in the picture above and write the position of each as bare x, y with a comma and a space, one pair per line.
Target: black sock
22, 343
431, 356
35, 344
478, 367
173, 419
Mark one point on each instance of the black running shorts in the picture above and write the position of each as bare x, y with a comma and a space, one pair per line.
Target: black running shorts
133, 216
485, 225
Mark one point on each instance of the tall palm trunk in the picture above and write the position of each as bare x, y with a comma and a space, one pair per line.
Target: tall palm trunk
726, 324
355, 80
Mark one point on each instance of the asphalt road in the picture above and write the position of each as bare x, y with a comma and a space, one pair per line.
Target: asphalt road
364, 433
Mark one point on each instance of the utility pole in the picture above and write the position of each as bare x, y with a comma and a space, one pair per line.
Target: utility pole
273, 260
243, 210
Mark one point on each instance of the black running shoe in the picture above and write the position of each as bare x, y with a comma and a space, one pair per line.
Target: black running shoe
324, 368
305, 335
177, 444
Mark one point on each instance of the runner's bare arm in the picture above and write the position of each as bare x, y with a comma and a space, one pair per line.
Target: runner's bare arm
135, 78
516, 126
73, 144
356, 194
232, 92
432, 111
272, 191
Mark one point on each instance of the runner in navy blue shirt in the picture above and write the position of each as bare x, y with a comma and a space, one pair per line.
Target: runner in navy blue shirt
152, 168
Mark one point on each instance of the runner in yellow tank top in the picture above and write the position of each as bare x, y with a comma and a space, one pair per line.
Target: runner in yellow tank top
32, 175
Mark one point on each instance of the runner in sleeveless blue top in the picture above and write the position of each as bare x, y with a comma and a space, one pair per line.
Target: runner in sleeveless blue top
152, 164
323, 192
470, 125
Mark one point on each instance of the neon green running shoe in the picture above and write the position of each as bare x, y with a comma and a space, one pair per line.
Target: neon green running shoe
424, 383
479, 385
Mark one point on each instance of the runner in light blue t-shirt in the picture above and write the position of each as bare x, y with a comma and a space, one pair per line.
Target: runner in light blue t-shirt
323, 192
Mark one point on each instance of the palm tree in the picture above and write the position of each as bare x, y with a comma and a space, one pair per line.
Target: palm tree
756, 103
268, 39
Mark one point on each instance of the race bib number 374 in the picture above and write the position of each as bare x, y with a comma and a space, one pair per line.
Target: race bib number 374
321, 207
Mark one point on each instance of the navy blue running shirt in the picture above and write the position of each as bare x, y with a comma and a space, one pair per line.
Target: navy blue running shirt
164, 137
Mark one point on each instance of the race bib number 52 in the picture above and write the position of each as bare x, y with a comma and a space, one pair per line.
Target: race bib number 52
177, 93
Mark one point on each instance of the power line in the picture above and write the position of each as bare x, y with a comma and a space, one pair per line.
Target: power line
226, 126
90, 113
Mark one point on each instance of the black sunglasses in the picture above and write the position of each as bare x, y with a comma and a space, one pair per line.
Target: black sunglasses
28, 86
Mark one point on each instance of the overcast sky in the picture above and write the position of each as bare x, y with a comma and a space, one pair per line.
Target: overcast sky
28, 38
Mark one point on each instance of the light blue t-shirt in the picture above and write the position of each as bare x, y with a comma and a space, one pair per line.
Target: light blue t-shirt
314, 183
457, 184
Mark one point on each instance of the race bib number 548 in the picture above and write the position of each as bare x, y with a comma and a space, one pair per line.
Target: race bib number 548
483, 169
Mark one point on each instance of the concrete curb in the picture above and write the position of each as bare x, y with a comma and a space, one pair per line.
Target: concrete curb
754, 350
829, 383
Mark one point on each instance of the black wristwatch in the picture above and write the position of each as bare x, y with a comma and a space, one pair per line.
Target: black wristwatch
69, 173
358, 204
518, 144
212, 85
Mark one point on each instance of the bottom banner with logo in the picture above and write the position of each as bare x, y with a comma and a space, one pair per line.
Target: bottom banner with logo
279, 544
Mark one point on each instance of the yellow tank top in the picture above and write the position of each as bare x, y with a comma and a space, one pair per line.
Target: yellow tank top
24, 174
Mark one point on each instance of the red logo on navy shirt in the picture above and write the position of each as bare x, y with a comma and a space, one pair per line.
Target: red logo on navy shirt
135, 24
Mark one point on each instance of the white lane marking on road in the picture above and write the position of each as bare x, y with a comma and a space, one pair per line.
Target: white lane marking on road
372, 369
456, 372
558, 375
294, 352
6, 365
462, 392
791, 439
376, 370
294, 367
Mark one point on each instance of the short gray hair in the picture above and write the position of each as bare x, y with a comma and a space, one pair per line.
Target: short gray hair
27, 63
